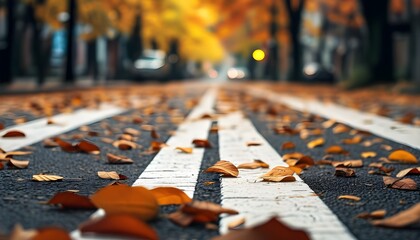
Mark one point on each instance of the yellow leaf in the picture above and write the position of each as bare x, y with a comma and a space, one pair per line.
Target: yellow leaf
316, 143
368, 154
402, 156
46, 178
185, 149
340, 128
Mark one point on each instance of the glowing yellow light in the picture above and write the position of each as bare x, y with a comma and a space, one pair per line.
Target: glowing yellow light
258, 55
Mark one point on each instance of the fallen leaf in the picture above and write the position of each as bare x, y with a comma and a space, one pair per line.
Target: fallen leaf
119, 225
344, 172
236, 223
208, 183
328, 123
170, 195
253, 143
224, 167
118, 159
185, 149
1, 126
253, 165
66, 146
132, 131
201, 143
398, 183
18, 233
71, 200
270, 230
340, 128
46, 178
287, 145
368, 154
295, 155
349, 197
372, 215
154, 134
316, 143
51, 233
156, 146
415, 170
1, 166
381, 170
348, 163
49, 143
126, 137
88, 147
354, 140
111, 175
124, 144
303, 162
279, 174
13, 134
402, 156
118, 199
401, 219
279, 179
18, 163
335, 149
386, 147
147, 127
107, 140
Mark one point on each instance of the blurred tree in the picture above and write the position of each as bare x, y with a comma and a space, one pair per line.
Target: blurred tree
294, 9
6, 54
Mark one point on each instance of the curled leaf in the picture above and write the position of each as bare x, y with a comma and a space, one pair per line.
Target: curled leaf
349, 197
132, 131
18, 163
118, 159
344, 172
88, 147
185, 149
402, 156
51, 233
224, 167
368, 154
340, 128
398, 183
348, 163
302, 162
154, 134
335, 149
46, 178
156, 146
328, 123
316, 143
253, 165
70, 200
124, 145
119, 225
201, 143
295, 155
402, 173
287, 145
236, 223
170, 195
401, 219
13, 134
66, 146
355, 140
372, 215
111, 175
253, 143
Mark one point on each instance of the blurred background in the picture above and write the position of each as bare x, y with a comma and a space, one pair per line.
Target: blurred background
347, 42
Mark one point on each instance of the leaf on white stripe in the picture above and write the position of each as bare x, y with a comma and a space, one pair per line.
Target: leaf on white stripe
226, 168
13, 134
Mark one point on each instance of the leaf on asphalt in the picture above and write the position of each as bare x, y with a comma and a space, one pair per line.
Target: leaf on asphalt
253, 165
303, 162
13, 134
107, 140
46, 178
340, 128
18, 163
279, 174
354, 140
372, 215
66, 146
6, 156
126, 137
184, 149
253, 143
328, 123
156, 146
386, 147
111, 175
124, 144
119, 225
118, 159
51, 233
201, 143
305, 133
348, 163
398, 183
295, 155
131, 131
380, 170
198, 211
71, 200
116, 199
154, 134
287, 145
49, 143
170, 195
335, 149
407, 171
234, 224
88, 147
316, 143
272, 229
402, 219
344, 172
147, 127
224, 167
402, 156
349, 197
368, 154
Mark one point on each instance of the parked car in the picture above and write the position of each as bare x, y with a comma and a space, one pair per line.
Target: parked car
152, 64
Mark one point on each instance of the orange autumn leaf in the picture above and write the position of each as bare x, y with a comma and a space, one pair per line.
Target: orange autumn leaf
118, 199
88, 147
368, 154
272, 229
316, 143
154, 134
253, 165
111, 175
119, 225
349, 197
348, 163
279, 174
335, 149
328, 123
236, 223
340, 128
170, 195
118, 159
13, 134
295, 155
372, 215
184, 149
402, 156
51, 233
201, 143
402, 173
354, 140
66, 146
302, 162
287, 145
124, 144
70, 200
224, 167
401, 219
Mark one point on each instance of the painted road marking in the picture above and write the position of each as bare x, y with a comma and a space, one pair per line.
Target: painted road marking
294, 202
378, 125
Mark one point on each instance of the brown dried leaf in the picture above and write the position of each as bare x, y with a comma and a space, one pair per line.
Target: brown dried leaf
88, 147
295, 155
119, 199
402, 156
66, 146
287, 145
402, 173
111, 175
355, 140
348, 163
147, 127
184, 149
13, 134
71, 200
279, 179
51, 233
18, 163
253, 165
224, 167
124, 145
335, 149
349, 197
368, 154
118, 159
154, 134
170, 195
316, 143
119, 225
201, 143
328, 123
156, 146
398, 183
49, 143
272, 229
340, 128
344, 172
132, 131
46, 178
401, 219
18, 233
253, 143
372, 215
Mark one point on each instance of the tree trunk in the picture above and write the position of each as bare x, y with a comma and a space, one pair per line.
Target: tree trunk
272, 64
380, 42
295, 17
92, 59
135, 46
69, 74
6, 75
37, 46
